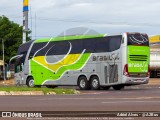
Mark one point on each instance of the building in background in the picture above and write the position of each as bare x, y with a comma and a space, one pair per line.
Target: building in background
7, 73
154, 56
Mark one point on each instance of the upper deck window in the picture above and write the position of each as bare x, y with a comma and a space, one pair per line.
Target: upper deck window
138, 39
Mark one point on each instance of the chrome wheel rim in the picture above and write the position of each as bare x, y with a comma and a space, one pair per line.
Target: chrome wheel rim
31, 83
95, 83
82, 83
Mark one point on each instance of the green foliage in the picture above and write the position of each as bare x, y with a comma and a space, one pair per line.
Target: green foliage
11, 34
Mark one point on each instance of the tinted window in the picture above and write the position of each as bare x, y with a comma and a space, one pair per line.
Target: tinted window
102, 45
59, 48
90, 45
114, 42
23, 49
40, 48
77, 46
138, 39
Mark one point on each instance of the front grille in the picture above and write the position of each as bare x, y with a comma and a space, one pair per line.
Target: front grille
138, 57
137, 74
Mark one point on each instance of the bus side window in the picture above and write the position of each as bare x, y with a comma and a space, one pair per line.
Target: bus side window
122, 40
114, 42
22, 66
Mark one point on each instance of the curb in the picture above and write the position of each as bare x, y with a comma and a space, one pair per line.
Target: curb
21, 93
2, 93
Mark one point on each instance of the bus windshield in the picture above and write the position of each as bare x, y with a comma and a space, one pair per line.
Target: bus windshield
22, 51
138, 39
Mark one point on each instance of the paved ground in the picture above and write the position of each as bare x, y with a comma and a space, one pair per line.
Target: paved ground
134, 98
7, 82
155, 81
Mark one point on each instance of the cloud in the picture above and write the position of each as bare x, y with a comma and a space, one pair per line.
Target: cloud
42, 5
54, 16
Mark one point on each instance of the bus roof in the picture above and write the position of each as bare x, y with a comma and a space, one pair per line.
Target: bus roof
63, 38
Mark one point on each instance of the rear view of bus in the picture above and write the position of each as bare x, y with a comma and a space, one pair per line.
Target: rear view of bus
135, 58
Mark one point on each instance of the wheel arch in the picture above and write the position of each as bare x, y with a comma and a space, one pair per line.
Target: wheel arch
29, 76
93, 76
83, 75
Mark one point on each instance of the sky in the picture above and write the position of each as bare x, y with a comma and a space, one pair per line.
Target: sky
48, 18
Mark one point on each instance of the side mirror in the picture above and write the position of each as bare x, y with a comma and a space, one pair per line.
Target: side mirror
30, 57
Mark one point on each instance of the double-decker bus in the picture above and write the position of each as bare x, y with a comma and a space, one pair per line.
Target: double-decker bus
89, 61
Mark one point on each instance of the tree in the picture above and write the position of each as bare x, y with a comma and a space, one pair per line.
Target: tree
11, 34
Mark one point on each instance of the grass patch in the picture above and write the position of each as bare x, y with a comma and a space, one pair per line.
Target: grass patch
44, 90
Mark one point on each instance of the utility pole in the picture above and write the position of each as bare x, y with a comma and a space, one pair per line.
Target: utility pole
4, 73
25, 20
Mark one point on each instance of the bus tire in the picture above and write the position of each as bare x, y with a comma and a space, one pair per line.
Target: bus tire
94, 82
30, 82
51, 86
37, 86
106, 87
83, 83
118, 87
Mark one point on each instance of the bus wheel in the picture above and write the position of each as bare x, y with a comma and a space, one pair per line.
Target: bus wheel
118, 87
106, 87
51, 86
83, 83
30, 82
95, 83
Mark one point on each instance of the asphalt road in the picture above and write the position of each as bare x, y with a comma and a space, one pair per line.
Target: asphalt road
134, 98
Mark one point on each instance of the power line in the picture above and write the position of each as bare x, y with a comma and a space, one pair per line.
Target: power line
90, 22
100, 22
